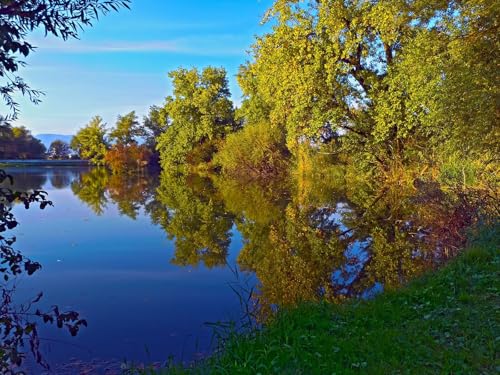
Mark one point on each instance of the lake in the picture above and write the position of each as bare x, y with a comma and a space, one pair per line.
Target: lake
149, 260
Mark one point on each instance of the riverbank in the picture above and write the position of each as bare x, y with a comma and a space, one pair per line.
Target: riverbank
444, 322
44, 163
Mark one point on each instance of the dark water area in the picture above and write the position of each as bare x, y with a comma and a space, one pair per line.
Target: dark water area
149, 260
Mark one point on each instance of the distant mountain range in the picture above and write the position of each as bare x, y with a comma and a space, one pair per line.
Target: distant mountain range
47, 139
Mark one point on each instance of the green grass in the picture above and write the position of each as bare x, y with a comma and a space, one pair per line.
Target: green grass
446, 322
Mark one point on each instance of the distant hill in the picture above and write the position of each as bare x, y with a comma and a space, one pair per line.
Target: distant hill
47, 139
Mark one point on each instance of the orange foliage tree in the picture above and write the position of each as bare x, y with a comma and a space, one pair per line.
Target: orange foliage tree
127, 158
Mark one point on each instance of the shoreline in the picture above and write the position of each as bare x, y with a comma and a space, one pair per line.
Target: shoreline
44, 163
441, 322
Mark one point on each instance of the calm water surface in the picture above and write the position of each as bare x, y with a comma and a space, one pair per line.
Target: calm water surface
149, 260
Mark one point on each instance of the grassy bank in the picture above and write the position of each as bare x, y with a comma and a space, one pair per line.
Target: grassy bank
445, 322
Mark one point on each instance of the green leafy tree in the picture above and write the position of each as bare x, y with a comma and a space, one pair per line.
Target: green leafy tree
199, 111
90, 142
154, 124
450, 103
127, 130
355, 68
59, 150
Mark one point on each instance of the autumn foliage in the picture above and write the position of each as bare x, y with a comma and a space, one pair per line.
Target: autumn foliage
127, 158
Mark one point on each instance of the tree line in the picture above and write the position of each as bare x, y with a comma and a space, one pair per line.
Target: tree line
17, 142
381, 85
184, 131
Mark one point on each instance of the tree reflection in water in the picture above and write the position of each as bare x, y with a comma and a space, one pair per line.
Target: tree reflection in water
192, 212
305, 238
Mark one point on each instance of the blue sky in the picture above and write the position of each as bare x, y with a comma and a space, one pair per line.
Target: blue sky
121, 64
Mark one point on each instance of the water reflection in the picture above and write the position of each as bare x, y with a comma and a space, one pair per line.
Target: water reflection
98, 187
306, 238
191, 212
19, 321
30, 178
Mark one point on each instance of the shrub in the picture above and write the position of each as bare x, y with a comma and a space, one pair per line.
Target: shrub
203, 153
258, 150
127, 159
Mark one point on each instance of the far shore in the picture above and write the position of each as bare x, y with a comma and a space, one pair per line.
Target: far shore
44, 163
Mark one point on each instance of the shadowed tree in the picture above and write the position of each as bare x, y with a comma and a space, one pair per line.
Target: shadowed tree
61, 180
18, 143
18, 322
58, 150
154, 124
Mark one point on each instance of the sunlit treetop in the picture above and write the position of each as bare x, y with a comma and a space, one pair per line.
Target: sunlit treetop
91, 142
200, 111
384, 73
127, 130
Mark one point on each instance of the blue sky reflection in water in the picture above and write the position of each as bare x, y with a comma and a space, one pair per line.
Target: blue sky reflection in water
144, 259
117, 273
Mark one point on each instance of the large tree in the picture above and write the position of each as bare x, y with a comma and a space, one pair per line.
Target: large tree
154, 124
91, 141
60, 18
381, 74
200, 111
59, 150
127, 130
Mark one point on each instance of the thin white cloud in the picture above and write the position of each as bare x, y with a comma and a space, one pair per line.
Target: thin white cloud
78, 46
208, 45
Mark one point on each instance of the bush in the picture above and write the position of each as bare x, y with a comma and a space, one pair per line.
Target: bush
202, 153
127, 159
258, 150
